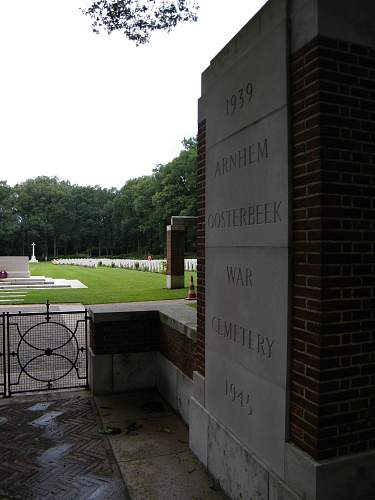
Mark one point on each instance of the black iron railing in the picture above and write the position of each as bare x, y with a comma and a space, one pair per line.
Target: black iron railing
43, 350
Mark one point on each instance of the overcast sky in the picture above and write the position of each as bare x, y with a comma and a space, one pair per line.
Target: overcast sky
96, 109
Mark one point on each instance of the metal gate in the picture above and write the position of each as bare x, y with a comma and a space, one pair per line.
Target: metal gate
43, 351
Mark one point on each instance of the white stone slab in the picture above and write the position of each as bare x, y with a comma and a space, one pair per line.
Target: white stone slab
5, 301
310, 18
16, 267
252, 87
260, 25
71, 283
198, 387
132, 371
247, 186
38, 283
249, 406
184, 390
13, 295
278, 490
100, 374
167, 380
239, 473
244, 102
247, 308
198, 430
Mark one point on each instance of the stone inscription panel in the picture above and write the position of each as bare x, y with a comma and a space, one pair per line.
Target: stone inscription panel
246, 308
244, 103
247, 186
252, 406
249, 90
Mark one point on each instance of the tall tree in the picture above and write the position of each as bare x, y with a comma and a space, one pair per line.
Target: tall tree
9, 219
67, 219
176, 191
137, 19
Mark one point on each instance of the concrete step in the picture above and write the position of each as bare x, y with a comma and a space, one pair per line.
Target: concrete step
10, 281
12, 293
6, 301
31, 287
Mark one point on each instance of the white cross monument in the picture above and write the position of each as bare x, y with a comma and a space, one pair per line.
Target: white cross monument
33, 259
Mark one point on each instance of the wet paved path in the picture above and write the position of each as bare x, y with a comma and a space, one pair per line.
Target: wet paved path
152, 449
51, 448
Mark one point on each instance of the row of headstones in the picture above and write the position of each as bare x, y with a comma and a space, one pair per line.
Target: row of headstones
155, 266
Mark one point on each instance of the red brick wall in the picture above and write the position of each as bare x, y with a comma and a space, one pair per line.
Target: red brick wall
177, 348
333, 337
143, 334
175, 252
132, 335
201, 281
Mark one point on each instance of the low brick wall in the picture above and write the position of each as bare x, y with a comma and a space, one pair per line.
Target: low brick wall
125, 333
146, 327
141, 346
177, 348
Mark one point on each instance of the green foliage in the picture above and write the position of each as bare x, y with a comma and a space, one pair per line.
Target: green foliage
85, 221
9, 219
137, 19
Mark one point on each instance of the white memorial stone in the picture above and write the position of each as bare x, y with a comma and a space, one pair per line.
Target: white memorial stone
244, 103
16, 267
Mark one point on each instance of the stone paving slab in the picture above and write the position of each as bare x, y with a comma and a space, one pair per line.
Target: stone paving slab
152, 450
51, 448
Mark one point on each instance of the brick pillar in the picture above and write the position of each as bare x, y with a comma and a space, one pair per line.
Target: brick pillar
201, 281
329, 451
175, 256
333, 346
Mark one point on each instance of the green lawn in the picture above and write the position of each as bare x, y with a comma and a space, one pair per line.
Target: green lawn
104, 285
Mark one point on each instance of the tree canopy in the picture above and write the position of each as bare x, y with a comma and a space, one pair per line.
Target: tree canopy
66, 219
137, 19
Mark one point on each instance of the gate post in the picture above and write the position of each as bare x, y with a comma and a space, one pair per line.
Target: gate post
175, 256
176, 249
4, 381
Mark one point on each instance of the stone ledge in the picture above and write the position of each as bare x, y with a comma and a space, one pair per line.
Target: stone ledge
176, 314
344, 478
182, 325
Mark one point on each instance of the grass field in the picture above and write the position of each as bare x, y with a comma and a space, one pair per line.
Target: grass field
104, 285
